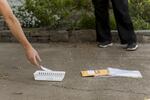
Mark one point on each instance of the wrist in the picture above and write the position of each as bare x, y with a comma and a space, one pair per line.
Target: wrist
27, 46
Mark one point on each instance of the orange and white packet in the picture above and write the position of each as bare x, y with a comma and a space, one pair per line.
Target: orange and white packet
93, 73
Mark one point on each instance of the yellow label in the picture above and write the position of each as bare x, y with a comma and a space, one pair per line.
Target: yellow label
102, 72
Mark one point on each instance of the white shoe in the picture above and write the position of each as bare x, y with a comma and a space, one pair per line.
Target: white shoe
105, 44
132, 47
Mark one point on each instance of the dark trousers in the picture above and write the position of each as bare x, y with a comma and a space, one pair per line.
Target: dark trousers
123, 20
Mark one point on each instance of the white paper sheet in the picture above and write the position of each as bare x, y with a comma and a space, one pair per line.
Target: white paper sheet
45, 69
124, 73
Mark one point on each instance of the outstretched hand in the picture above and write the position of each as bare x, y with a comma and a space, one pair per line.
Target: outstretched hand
33, 56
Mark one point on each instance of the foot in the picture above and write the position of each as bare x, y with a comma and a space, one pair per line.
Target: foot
132, 47
105, 44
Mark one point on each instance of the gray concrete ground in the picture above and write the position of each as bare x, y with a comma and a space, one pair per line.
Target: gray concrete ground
17, 83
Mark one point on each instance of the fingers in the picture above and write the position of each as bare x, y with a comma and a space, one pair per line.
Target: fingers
34, 61
33, 57
38, 58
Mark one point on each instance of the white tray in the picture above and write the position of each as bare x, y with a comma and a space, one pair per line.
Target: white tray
49, 75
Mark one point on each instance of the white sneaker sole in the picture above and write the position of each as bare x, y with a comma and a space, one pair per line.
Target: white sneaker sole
105, 46
132, 49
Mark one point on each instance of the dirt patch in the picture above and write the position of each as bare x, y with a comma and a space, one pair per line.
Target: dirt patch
3, 75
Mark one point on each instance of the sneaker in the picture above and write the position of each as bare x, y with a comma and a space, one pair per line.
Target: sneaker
105, 44
132, 47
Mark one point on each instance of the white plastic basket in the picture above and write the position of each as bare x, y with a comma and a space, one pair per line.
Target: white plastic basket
49, 75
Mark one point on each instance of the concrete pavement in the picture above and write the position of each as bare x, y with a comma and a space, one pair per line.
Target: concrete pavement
17, 83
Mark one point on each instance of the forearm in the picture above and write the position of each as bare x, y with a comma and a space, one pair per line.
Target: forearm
17, 31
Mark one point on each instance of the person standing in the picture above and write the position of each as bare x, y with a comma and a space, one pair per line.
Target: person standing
15, 27
124, 24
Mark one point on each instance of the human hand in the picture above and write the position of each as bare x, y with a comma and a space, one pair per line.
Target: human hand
33, 56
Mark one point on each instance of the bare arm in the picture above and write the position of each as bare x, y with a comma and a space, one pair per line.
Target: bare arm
17, 31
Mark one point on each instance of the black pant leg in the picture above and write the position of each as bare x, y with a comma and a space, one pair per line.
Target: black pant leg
123, 20
102, 20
